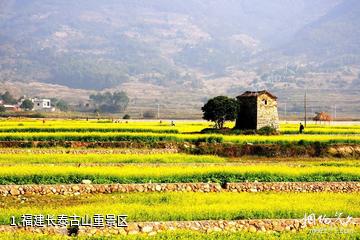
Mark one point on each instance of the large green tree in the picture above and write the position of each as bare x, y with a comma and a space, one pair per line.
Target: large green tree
27, 104
219, 110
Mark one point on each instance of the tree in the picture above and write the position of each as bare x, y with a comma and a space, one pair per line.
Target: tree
149, 115
8, 98
110, 102
126, 116
59, 104
2, 109
62, 105
27, 104
219, 110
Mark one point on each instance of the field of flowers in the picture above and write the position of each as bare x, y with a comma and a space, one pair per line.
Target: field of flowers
163, 137
179, 206
26, 125
138, 131
142, 164
184, 235
169, 173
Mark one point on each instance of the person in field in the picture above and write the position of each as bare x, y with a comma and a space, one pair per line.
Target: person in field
301, 128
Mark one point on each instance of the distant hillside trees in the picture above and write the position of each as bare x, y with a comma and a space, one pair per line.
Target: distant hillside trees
219, 110
7, 98
2, 109
60, 104
110, 102
149, 115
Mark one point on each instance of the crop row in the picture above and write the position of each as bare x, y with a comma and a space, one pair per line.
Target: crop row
142, 173
184, 126
320, 131
85, 129
322, 126
93, 137
156, 137
288, 130
107, 158
87, 156
326, 234
178, 206
154, 126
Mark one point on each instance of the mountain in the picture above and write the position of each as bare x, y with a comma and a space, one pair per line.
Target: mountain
178, 53
332, 35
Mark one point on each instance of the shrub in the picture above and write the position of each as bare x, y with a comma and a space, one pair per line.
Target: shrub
267, 130
36, 115
249, 132
126, 116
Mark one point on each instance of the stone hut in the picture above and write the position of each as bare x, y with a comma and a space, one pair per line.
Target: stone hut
257, 110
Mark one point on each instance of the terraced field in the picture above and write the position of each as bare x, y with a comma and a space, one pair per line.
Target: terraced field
173, 182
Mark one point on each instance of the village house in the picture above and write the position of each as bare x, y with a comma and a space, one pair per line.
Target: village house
257, 110
42, 104
10, 107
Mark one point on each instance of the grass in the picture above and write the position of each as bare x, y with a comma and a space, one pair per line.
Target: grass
180, 206
142, 173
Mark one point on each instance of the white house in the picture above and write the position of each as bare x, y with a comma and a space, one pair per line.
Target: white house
10, 107
42, 104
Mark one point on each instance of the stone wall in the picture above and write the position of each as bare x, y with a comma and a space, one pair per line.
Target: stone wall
221, 149
273, 150
207, 226
345, 187
88, 188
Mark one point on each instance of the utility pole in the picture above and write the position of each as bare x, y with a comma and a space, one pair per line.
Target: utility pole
335, 113
305, 110
158, 111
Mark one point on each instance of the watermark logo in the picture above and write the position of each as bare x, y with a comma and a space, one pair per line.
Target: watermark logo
63, 220
311, 220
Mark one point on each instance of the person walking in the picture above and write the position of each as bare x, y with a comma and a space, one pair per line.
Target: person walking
301, 128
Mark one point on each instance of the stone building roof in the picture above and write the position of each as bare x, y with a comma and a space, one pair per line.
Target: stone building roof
256, 94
